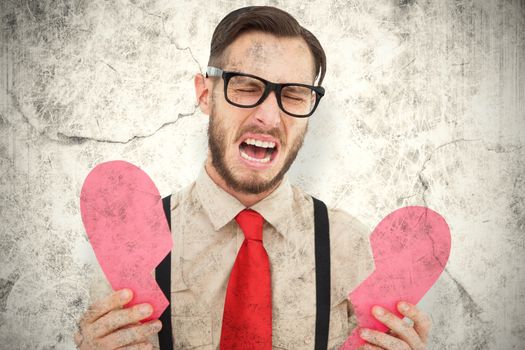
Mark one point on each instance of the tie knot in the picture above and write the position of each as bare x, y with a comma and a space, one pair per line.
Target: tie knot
251, 223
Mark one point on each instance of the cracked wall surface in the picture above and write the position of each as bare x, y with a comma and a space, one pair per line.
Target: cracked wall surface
425, 105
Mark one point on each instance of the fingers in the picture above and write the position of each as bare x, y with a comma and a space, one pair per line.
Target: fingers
101, 307
401, 329
383, 340
120, 318
132, 336
422, 321
106, 325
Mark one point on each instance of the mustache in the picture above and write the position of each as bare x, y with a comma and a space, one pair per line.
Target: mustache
274, 132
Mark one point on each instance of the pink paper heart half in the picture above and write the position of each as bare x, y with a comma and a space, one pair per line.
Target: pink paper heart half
411, 247
124, 219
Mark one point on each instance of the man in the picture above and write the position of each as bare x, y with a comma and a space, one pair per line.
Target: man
234, 286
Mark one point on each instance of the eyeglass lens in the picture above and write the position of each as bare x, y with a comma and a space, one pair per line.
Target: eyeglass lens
247, 91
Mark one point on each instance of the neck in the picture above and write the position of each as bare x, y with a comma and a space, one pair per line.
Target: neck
247, 199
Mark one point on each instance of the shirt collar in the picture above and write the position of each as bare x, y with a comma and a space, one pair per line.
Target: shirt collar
221, 207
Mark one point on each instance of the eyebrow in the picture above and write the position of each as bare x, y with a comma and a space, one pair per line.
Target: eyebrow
233, 68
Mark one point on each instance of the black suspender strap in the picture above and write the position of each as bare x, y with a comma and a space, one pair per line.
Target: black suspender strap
322, 274
322, 279
163, 278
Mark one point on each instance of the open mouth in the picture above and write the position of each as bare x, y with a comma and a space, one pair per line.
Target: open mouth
258, 151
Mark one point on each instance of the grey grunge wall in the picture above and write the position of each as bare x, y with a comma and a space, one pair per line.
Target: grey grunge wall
425, 105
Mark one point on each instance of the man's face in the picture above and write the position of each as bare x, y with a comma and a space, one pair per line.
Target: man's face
252, 148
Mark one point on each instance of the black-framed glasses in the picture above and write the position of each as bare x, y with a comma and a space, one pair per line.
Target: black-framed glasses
248, 91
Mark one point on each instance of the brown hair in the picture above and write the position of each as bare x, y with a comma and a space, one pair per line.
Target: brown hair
265, 19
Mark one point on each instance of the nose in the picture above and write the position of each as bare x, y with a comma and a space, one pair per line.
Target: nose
268, 112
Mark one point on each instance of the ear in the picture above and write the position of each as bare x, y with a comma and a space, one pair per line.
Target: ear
202, 93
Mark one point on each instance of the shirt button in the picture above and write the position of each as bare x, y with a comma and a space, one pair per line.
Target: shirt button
308, 339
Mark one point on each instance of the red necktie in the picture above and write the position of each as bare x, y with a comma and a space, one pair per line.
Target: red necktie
247, 318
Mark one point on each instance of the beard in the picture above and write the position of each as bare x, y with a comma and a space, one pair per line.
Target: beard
254, 184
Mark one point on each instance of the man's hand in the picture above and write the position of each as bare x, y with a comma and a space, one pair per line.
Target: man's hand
402, 335
106, 325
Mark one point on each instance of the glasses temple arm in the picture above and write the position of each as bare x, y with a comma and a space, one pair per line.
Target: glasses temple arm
213, 71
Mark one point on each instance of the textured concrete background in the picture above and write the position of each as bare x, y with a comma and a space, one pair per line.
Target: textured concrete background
425, 105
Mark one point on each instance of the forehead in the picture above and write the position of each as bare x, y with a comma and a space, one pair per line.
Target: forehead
276, 59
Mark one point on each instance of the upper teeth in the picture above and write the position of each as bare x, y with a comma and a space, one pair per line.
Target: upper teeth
259, 143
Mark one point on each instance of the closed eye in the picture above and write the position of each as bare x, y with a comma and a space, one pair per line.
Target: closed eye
294, 98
